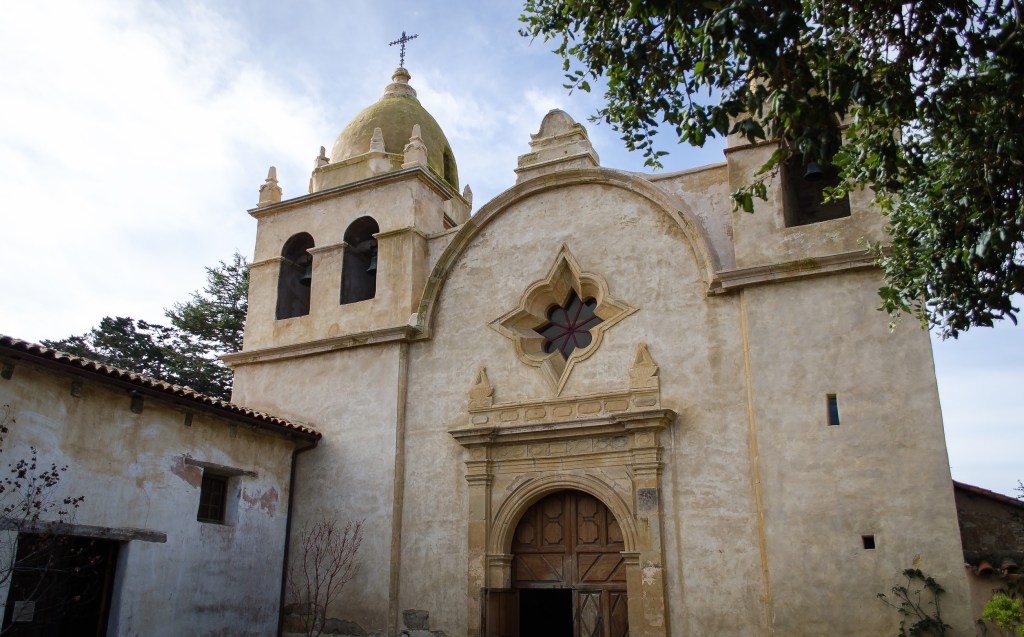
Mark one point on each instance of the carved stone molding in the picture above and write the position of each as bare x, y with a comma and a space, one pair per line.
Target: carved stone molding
561, 417
520, 324
607, 445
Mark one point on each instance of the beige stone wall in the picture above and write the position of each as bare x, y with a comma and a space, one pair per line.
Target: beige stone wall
761, 505
352, 398
406, 210
883, 471
706, 191
762, 238
133, 471
646, 261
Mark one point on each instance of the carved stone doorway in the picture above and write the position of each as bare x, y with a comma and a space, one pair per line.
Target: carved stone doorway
568, 571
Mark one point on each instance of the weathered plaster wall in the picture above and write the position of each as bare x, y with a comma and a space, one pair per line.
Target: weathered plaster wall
647, 263
883, 471
762, 238
352, 398
207, 579
706, 191
762, 504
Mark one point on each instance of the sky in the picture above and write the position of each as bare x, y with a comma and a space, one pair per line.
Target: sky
134, 137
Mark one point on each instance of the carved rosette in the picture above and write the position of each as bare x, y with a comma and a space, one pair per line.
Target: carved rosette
520, 324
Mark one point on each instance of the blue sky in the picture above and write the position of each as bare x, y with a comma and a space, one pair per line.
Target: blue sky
135, 135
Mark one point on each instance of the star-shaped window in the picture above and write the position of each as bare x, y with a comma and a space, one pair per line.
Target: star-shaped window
569, 325
561, 319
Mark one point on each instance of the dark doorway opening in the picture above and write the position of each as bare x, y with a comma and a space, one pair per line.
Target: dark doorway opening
545, 612
60, 585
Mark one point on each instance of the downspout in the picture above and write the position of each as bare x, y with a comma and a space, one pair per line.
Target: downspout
288, 534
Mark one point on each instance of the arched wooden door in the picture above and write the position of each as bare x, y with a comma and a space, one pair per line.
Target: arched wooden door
568, 569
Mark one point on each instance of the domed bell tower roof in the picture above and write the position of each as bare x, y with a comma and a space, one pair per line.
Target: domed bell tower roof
395, 113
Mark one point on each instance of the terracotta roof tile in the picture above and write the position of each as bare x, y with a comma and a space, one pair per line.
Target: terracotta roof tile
992, 495
17, 348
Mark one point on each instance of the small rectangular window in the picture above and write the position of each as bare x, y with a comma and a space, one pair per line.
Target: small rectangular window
868, 541
212, 498
833, 410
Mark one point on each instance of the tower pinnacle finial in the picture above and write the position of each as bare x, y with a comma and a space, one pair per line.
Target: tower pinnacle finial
402, 40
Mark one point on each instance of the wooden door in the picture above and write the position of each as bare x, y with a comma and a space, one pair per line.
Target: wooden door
500, 612
60, 585
571, 540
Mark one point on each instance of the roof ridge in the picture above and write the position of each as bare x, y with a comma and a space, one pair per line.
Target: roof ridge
42, 353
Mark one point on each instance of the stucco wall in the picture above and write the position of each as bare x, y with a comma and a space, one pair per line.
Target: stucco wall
206, 579
762, 238
763, 504
352, 398
646, 261
883, 471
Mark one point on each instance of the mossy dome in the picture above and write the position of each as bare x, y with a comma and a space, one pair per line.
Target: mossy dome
395, 114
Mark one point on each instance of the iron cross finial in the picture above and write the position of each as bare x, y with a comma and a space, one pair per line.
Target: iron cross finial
402, 40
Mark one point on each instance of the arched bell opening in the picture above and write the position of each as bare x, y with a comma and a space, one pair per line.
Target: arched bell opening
359, 265
295, 276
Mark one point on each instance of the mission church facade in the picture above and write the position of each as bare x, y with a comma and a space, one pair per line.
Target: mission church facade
602, 399
602, 404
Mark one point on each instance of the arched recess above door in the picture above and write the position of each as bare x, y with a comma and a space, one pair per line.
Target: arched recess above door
534, 489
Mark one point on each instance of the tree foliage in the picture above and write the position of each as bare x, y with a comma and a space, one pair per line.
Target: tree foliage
187, 352
217, 314
919, 100
1006, 612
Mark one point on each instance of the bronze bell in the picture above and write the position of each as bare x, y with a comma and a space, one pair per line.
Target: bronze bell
307, 276
373, 261
813, 171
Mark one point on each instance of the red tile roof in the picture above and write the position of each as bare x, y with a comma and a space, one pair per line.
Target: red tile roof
17, 349
992, 495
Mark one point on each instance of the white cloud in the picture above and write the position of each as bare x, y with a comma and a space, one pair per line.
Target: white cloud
133, 136
128, 136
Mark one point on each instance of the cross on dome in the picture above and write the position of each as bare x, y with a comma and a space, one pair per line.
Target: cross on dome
402, 40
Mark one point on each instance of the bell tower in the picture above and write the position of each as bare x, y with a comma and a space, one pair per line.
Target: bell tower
337, 274
348, 260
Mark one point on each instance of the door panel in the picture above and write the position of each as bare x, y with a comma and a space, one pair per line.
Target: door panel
60, 585
588, 614
500, 609
596, 568
570, 540
536, 568
618, 617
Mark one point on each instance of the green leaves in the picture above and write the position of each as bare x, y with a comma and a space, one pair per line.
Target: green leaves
928, 92
186, 353
1005, 612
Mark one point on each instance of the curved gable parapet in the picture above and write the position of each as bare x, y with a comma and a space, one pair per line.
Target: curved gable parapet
708, 261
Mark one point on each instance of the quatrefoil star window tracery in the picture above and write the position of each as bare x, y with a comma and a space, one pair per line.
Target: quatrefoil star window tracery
569, 324
556, 346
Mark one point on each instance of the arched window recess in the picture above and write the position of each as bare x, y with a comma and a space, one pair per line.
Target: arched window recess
359, 266
295, 277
